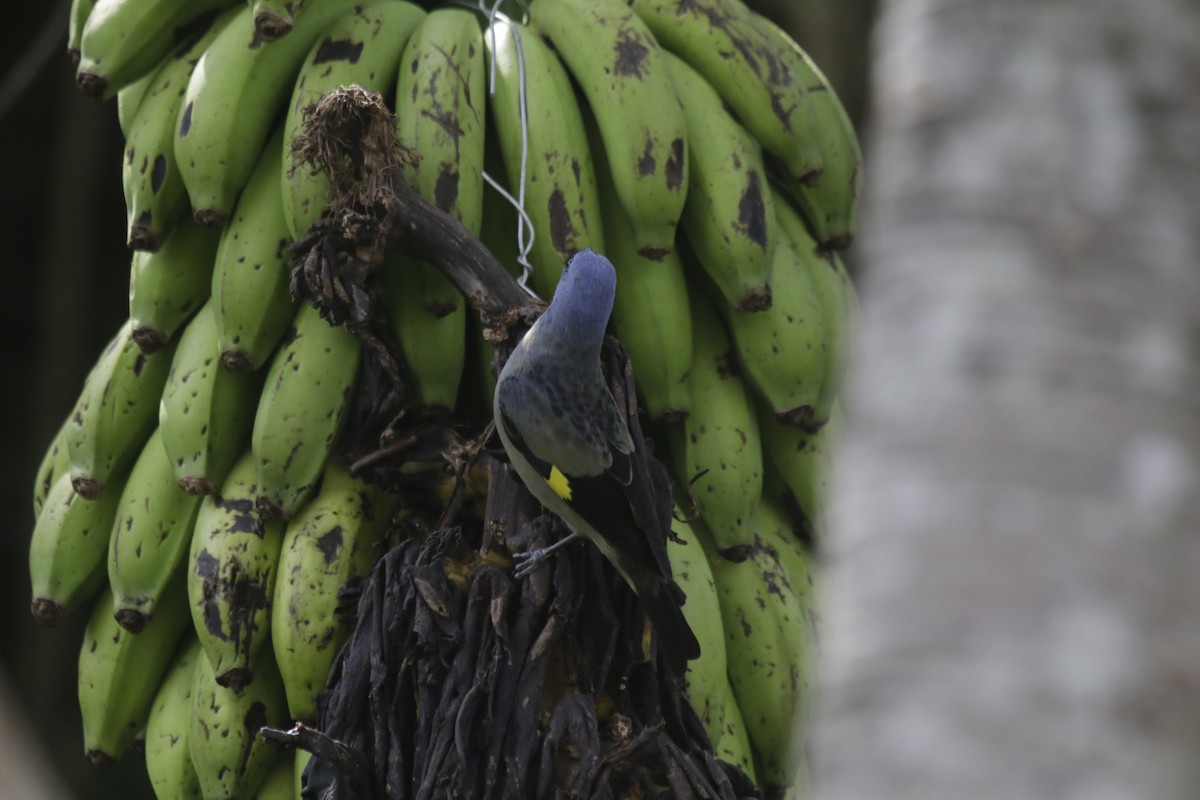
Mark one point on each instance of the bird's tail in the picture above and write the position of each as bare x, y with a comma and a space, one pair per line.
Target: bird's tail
664, 605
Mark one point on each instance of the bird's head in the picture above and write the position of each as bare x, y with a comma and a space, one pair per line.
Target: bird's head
584, 297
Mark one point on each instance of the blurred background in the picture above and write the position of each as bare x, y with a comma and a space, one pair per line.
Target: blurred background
63, 219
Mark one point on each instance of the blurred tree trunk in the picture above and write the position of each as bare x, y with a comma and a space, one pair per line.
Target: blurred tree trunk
1013, 605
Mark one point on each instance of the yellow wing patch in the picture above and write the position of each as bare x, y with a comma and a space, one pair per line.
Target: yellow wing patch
559, 483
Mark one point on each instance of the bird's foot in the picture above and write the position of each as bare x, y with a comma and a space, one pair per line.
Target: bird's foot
527, 561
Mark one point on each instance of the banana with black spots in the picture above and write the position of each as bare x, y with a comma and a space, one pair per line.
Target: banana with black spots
168, 759
733, 745
232, 100
231, 572
168, 285
330, 543
362, 47
729, 217
785, 350
831, 204
206, 411
624, 75
304, 403
80, 9
155, 198
150, 536
67, 549
717, 449
275, 18
651, 313
122, 40
560, 190
231, 759
128, 100
115, 412
719, 38
803, 462
250, 279
54, 464
835, 292
120, 672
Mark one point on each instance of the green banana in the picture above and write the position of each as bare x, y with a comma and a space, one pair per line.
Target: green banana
122, 40
167, 286
235, 93
560, 177
80, 9
120, 672
231, 759
150, 536
835, 292
362, 47
802, 461
719, 38
250, 275
115, 412
784, 350
440, 109
168, 760
733, 746
231, 577
624, 75
706, 685
302, 759
728, 217
128, 100
67, 549
767, 652
155, 198
280, 783
720, 438
831, 204
650, 313
206, 410
54, 464
329, 544
304, 403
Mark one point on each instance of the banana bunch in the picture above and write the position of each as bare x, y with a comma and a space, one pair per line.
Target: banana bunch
202, 474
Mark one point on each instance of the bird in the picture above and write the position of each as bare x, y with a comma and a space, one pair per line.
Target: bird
571, 448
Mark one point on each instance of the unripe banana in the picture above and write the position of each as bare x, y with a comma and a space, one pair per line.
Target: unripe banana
250, 276
232, 100
80, 9
720, 437
304, 403
120, 672
362, 47
230, 756
68, 548
831, 204
128, 100
441, 112
625, 77
150, 536
54, 464
768, 648
803, 462
560, 177
115, 412
330, 544
720, 40
706, 685
650, 313
834, 290
122, 40
275, 18
155, 198
280, 783
231, 578
728, 216
206, 411
784, 350
166, 287
302, 759
168, 759
733, 747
